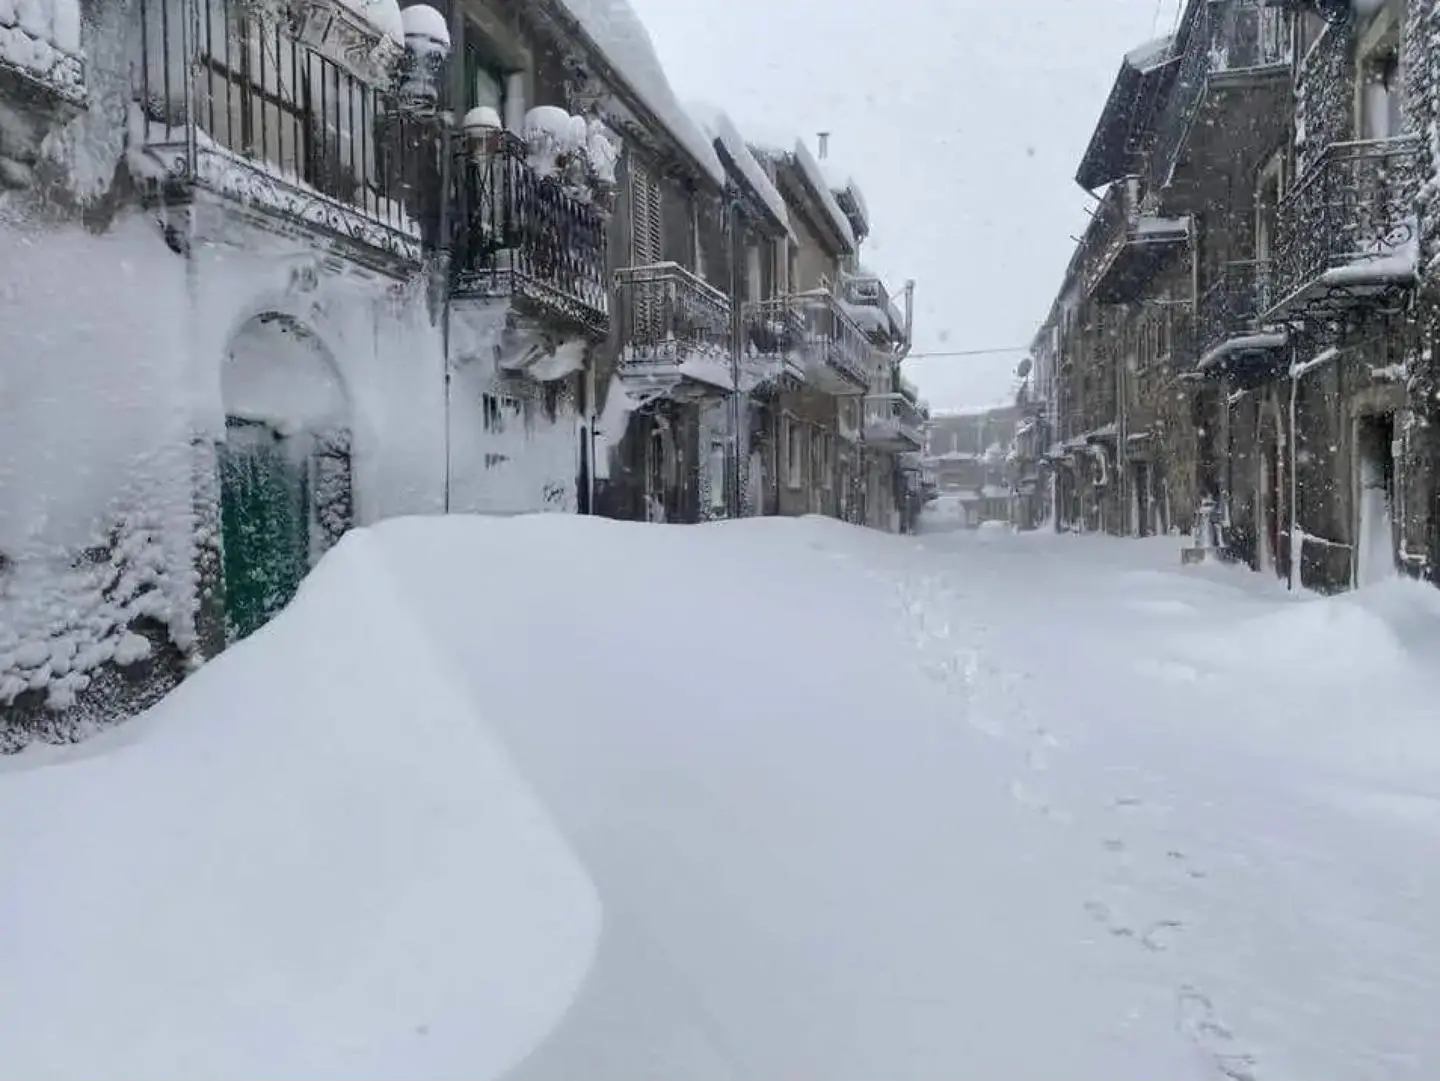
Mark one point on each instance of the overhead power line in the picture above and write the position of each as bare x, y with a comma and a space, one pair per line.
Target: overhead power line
971, 352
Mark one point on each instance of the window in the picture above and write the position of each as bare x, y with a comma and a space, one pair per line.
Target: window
1377, 79
485, 80
753, 283
646, 237
793, 436
717, 475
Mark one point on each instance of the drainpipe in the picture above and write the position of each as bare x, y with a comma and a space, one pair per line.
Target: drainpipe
447, 165
734, 216
1292, 571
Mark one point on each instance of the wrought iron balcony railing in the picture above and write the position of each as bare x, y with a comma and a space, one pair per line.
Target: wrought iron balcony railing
842, 345
40, 53
1347, 229
235, 102
666, 314
1234, 304
893, 421
525, 235
873, 308
1227, 38
1124, 239
810, 328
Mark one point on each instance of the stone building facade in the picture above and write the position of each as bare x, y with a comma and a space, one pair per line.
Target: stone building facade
1267, 339
279, 268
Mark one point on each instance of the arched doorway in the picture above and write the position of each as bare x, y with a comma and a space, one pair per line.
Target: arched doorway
285, 484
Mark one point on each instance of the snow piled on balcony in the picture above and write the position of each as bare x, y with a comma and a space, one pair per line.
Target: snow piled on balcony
722, 130
621, 38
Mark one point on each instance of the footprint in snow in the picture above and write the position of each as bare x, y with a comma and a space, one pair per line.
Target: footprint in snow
1198, 1019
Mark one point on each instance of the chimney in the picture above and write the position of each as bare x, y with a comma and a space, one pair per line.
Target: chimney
824, 137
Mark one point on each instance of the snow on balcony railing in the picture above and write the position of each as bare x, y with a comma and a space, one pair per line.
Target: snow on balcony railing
528, 234
231, 100
1227, 37
1231, 308
810, 328
892, 417
845, 347
40, 42
668, 314
1348, 226
1121, 221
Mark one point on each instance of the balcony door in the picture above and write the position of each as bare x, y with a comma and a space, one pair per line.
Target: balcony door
1377, 79
1268, 193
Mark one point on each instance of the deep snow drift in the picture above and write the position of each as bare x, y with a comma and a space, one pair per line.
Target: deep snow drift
817, 803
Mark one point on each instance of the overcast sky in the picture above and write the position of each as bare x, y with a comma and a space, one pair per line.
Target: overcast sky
962, 120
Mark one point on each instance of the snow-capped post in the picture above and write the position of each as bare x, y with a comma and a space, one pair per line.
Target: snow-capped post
481, 128
422, 67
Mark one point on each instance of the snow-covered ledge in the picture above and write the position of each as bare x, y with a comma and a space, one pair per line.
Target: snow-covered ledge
40, 43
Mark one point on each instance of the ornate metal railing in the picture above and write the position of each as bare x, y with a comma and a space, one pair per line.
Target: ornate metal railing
527, 234
41, 54
889, 417
1227, 36
773, 327
843, 345
260, 106
1234, 303
666, 313
1354, 209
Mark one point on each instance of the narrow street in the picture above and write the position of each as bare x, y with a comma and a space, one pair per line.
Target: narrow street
967, 803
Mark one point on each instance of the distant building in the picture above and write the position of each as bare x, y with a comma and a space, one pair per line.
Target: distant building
968, 451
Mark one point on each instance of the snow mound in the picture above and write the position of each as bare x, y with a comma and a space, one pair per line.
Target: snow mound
312, 861
1371, 633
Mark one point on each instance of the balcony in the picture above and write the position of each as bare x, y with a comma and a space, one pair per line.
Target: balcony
237, 111
530, 239
1229, 103
1230, 319
893, 423
1347, 232
839, 356
1131, 245
773, 345
40, 62
674, 331
811, 338
870, 305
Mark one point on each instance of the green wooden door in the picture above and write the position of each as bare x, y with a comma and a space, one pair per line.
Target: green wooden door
264, 522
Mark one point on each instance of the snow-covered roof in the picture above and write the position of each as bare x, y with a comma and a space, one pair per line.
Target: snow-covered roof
816, 179
715, 123
621, 38
1151, 54
842, 183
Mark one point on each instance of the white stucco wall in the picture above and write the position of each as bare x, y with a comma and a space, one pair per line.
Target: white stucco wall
111, 351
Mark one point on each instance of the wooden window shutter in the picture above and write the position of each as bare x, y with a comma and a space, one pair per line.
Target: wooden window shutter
645, 218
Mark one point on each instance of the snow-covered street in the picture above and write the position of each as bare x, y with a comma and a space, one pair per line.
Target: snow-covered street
556, 797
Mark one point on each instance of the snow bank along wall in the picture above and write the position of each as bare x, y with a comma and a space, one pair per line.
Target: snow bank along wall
157, 379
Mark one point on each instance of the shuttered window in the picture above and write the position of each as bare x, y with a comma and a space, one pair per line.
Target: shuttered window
646, 247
